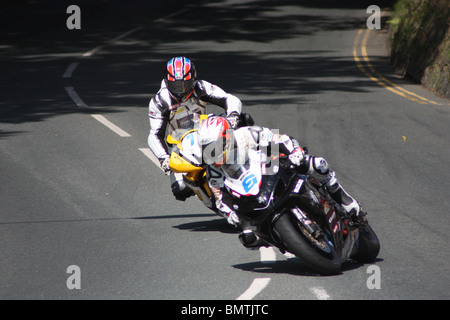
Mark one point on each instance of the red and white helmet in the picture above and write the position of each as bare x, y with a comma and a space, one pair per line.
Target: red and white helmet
216, 138
180, 78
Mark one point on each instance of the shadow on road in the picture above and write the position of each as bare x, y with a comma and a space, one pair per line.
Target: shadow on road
235, 46
216, 225
293, 266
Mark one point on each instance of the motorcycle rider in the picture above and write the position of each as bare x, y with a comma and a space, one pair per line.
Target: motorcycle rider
224, 147
182, 93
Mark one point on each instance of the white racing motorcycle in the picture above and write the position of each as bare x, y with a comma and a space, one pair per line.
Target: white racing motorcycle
286, 209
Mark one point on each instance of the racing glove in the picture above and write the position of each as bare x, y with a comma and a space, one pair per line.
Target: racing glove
296, 156
234, 119
165, 165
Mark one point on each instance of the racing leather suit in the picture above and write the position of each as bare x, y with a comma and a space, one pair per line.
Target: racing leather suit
166, 115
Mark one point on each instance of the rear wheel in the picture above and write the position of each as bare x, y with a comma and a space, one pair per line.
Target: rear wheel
317, 252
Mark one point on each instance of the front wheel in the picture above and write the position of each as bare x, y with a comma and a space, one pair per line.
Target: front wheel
368, 244
318, 253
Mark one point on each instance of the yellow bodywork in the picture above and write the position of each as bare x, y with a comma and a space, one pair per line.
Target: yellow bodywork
178, 164
193, 173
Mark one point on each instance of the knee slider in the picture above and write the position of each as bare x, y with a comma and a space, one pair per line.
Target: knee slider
319, 165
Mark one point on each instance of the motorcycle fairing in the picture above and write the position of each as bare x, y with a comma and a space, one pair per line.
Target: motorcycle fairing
245, 179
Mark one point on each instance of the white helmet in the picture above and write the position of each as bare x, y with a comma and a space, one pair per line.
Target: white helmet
216, 138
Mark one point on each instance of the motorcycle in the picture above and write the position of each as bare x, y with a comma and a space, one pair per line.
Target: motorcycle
284, 208
294, 213
186, 159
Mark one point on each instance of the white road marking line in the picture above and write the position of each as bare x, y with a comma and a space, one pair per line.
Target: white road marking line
256, 287
126, 34
320, 293
172, 15
267, 255
75, 97
151, 156
93, 51
70, 69
100, 47
110, 125
80, 103
289, 255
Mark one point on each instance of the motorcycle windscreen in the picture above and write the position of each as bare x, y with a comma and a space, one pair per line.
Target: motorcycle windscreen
244, 179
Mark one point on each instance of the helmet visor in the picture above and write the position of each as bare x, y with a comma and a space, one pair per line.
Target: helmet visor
180, 88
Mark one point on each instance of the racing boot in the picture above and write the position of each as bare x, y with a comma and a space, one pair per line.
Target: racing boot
350, 205
179, 189
318, 168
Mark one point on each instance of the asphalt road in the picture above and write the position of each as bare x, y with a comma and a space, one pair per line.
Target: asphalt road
76, 192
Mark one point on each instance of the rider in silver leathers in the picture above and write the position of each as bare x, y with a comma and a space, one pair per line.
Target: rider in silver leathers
181, 94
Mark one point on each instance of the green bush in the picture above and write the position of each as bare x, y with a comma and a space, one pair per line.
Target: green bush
420, 42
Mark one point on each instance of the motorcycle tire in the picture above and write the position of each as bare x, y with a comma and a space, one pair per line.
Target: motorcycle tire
321, 257
368, 245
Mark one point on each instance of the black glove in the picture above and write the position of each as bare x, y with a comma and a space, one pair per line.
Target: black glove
234, 119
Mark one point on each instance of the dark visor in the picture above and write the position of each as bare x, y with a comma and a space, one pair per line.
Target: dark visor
180, 87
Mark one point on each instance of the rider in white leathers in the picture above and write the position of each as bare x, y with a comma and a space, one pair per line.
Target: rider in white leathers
180, 95
237, 143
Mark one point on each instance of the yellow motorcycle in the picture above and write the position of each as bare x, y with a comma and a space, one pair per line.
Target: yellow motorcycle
186, 159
